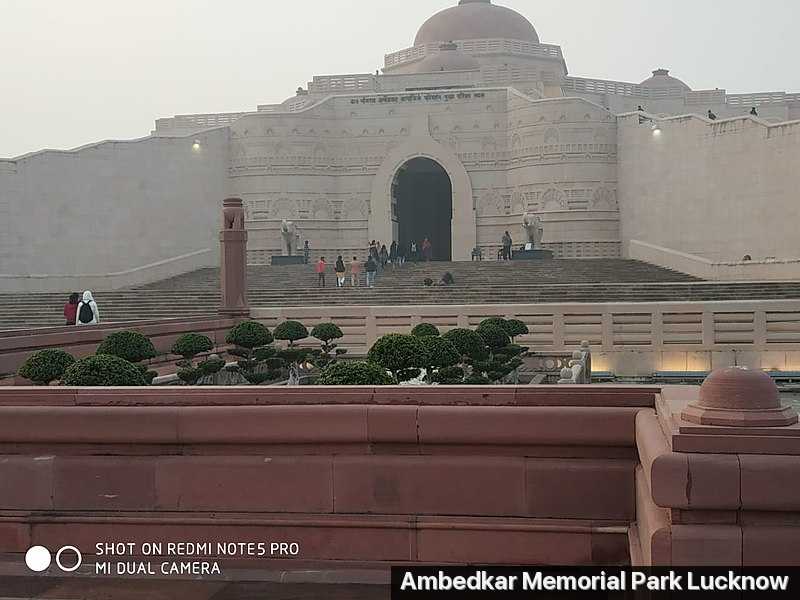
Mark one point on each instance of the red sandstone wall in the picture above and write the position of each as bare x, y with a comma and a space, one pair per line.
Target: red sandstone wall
372, 476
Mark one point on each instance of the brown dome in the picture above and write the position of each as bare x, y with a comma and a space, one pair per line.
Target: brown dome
449, 58
476, 20
661, 79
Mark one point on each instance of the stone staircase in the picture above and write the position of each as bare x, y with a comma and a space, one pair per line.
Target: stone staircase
489, 282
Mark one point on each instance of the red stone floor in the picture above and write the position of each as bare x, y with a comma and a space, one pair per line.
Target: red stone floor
31, 588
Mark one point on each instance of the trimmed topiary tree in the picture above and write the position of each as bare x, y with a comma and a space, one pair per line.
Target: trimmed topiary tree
128, 345
494, 336
402, 355
327, 333
45, 366
291, 331
249, 335
438, 354
515, 328
190, 345
493, 321
103, 370
354, 373
468, 343
425, 330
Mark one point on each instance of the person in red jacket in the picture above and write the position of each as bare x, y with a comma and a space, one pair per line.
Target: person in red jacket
71, 309
321, 265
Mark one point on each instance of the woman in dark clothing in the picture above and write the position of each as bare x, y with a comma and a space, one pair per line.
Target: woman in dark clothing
384, 256
393, 258
71, 308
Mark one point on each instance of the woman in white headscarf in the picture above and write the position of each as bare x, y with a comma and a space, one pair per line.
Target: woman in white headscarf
88, 314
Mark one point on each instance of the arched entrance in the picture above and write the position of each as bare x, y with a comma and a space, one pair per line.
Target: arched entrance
422, 206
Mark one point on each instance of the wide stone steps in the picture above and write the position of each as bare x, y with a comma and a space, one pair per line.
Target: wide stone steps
541, 282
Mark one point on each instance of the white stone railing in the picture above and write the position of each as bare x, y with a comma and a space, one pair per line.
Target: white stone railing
636, 339
787, 269
486, 46
357, 82
199, 121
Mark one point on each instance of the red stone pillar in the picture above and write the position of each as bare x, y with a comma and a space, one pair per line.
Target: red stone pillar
233, 260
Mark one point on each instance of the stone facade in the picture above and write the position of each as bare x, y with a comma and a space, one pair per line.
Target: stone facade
513, 131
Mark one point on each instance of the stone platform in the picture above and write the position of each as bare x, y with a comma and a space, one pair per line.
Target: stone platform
279, 261
532, 255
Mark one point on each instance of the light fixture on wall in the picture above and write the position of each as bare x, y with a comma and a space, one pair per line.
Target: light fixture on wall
656, 128
196, 146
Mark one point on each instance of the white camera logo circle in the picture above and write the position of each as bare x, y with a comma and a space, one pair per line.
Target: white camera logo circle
39, 559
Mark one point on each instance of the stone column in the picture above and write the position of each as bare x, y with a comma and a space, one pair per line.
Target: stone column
233, 260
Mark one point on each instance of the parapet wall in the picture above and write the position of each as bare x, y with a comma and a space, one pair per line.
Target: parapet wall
376, 476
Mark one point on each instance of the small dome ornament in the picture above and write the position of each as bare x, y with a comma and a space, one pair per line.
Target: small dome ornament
739, 397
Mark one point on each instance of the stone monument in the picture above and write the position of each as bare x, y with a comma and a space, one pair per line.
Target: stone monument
288, 237
233, 260
533, 227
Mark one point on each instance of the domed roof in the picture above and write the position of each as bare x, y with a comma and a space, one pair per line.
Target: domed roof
449, 58
662, 79
475, 20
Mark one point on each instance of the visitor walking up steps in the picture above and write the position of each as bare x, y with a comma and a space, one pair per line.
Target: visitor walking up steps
384, 256
393, 258
71, 309
340, 271
427, 250
371, 268
355, 272
88, 313
320, 268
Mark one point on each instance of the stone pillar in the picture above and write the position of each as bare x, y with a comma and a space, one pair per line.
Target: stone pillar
233, 260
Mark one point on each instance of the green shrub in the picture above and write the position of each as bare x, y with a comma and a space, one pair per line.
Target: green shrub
291, 331
249, 335
257, 377
494, 336
400, 354
438, 353
293, 355
468, 343
449, 375
515, 327
476, 379
425, 330
148, 375
103, 370
190, 345
265, 353
45, 366
211, 366
275, 364
354, 373
189, 375
128, 345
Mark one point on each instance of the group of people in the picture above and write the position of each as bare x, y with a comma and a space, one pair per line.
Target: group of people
379, 257
355, 268
81, 310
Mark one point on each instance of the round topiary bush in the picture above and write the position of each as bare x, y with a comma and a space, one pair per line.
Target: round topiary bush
45, 366
400, 354
213, 365
291, 331
103, 370
128, 345
249, 334
354, 373
325, 332
467, 342
190, 345
494, 336
425, 330
439, 353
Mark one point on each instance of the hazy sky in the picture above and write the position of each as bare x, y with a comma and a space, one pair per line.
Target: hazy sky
79, 71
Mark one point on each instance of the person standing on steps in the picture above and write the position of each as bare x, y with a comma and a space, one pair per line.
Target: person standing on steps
71, 309
507, 243
306, 251
393, 258
384, 257
427, 250
88, 313
372, 269
320, 268
412, 251
355, 272
340, 271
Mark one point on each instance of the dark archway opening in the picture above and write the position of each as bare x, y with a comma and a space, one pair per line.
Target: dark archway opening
422, 201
